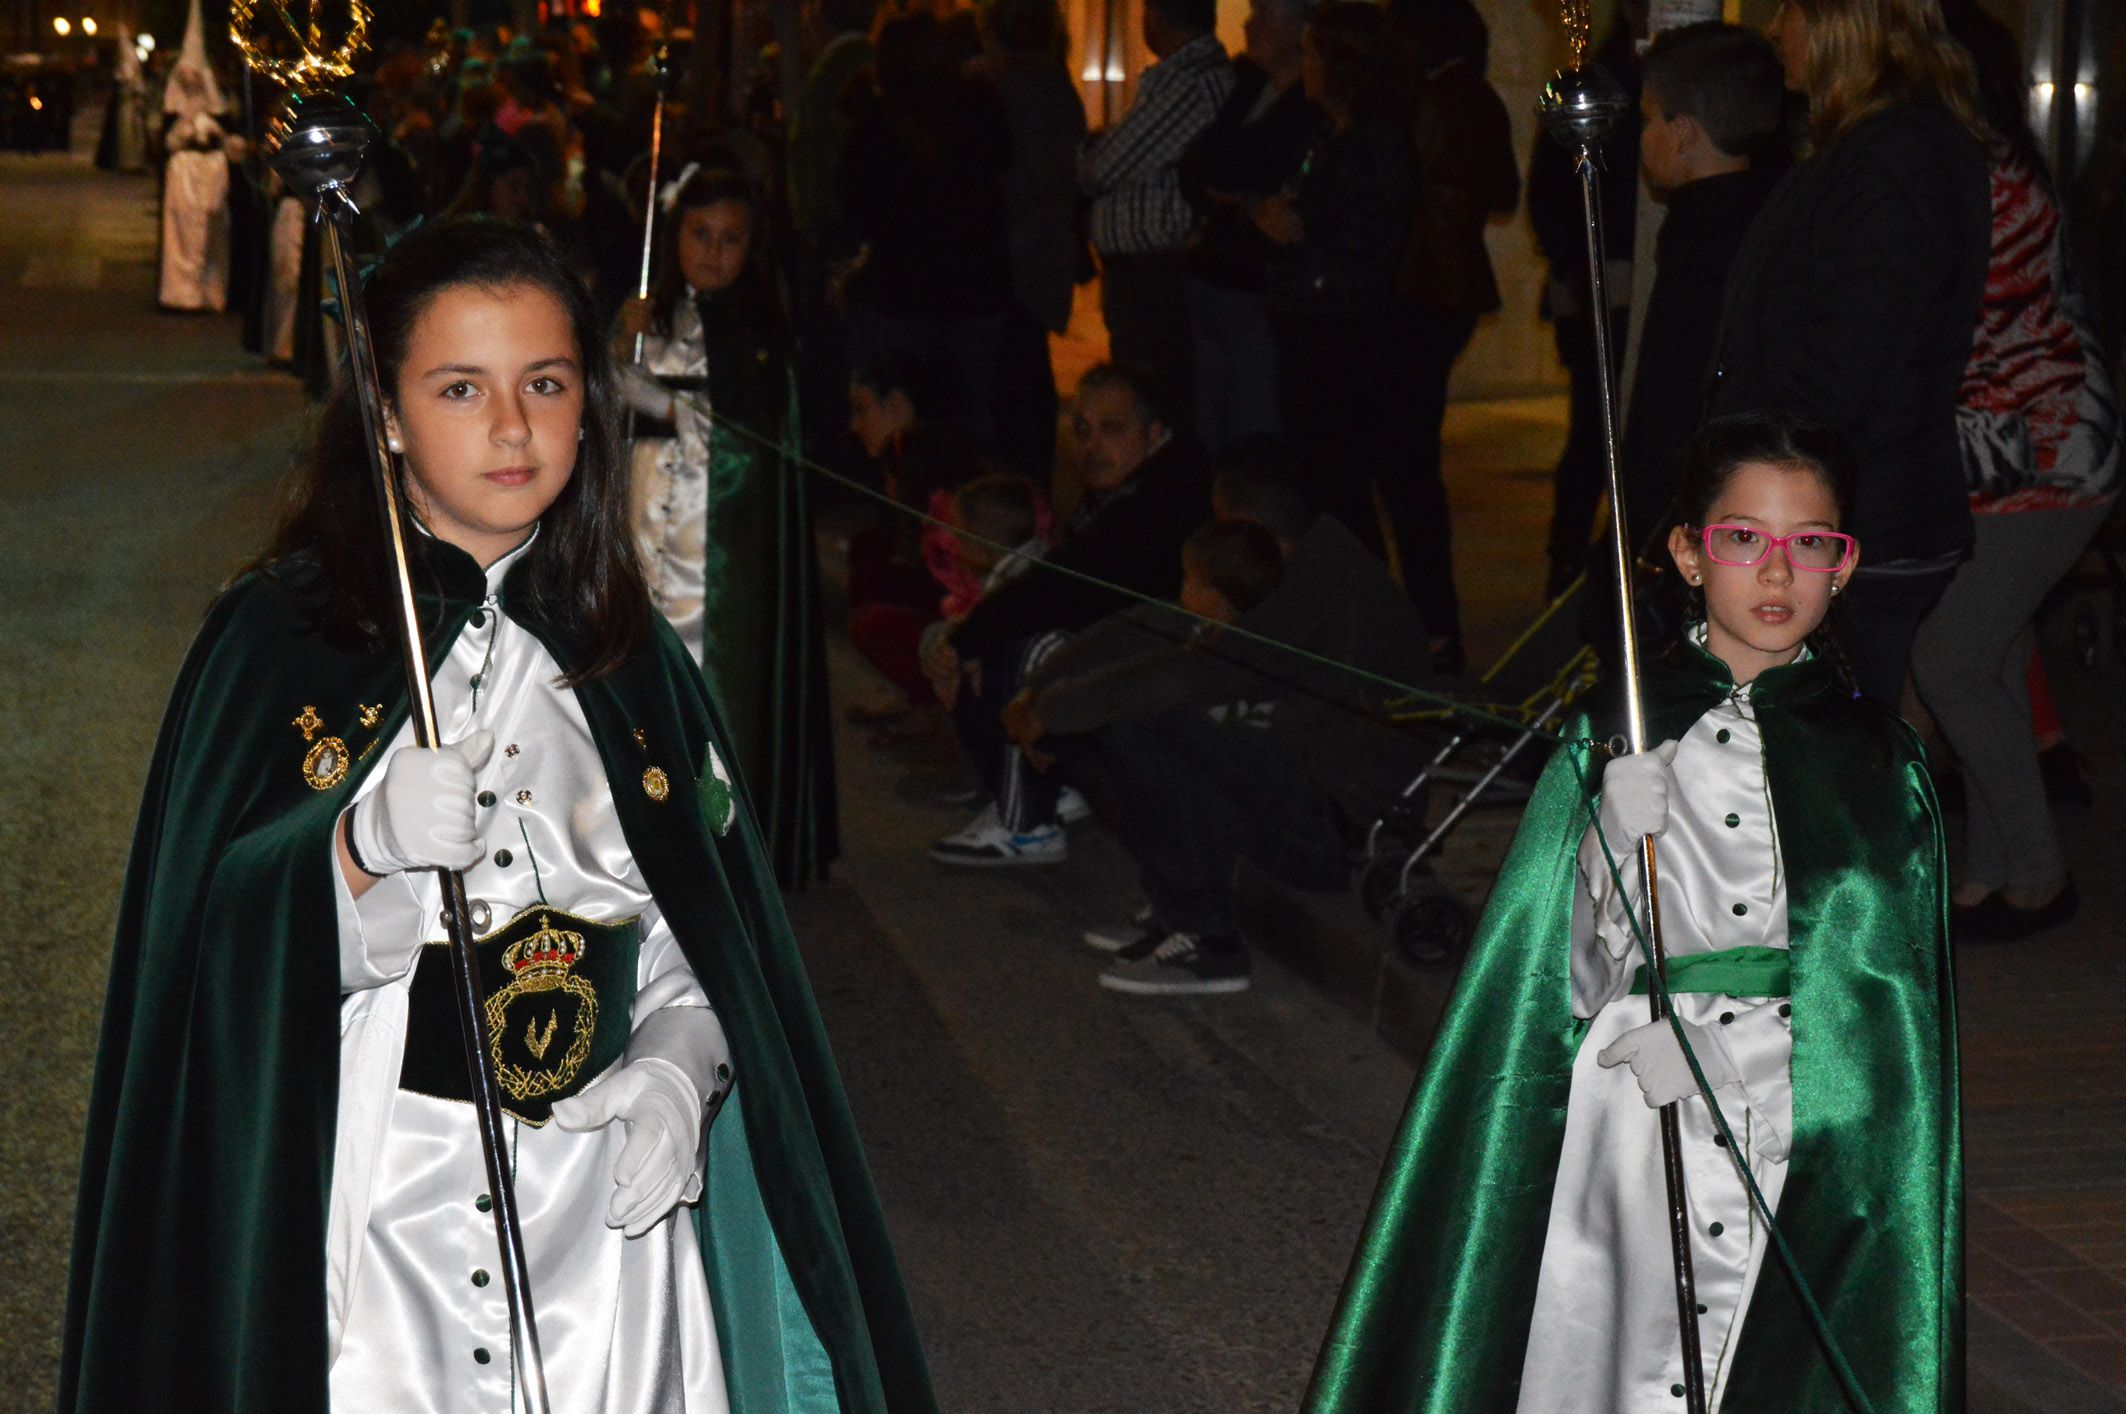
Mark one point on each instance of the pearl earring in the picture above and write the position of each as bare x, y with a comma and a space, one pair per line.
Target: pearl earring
395, 444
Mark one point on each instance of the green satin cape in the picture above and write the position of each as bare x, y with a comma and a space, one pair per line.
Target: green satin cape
198, 1276
1435, 1312
763, 651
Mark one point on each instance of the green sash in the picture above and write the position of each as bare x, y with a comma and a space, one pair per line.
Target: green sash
1732, 972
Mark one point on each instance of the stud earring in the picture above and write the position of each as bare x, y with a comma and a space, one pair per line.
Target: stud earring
395, 444
1834, 589
579, 432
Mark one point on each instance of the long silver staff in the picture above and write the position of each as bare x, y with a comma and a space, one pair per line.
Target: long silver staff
317, 148
663, 66
1580, 107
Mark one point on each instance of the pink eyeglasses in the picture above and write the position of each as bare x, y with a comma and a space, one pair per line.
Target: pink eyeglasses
1817, 551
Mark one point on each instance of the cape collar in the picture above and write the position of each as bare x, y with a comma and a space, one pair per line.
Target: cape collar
1698, 670
455, 577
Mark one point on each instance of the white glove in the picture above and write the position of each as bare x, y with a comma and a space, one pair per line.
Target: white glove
1657, 1063
1635, 792
421, 817
643, 393
677, 1056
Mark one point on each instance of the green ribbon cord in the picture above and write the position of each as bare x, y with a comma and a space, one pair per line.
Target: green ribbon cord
1734, 972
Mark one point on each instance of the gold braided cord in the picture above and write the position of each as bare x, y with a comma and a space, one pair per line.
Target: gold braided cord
1578, 19
317, 68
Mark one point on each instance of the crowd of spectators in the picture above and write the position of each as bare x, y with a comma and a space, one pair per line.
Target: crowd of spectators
1290, 245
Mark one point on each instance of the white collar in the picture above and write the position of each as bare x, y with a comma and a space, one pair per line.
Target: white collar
499, 570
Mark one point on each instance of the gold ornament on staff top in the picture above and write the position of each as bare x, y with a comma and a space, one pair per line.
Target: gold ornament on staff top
1578, 18
252, 24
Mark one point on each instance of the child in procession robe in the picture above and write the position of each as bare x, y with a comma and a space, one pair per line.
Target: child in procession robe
283, 1202
1518, 1254
721, 511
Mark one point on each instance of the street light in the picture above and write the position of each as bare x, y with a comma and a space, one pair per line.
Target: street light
62, 26
88, 25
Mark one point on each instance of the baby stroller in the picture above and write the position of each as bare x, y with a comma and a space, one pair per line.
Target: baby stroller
1535, 682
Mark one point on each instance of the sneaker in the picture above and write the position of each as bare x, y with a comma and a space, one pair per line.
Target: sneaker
1181, 964
1133, 941
1143, 925
1071, 806
988, 844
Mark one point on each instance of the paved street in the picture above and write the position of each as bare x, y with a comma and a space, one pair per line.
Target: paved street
1100, 1204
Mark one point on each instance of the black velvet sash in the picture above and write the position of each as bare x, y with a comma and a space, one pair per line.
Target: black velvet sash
559, 993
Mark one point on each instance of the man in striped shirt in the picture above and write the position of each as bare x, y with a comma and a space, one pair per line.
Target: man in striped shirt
1140, 220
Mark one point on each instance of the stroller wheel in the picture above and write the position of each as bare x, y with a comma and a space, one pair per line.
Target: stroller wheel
1431, 925
1380, 881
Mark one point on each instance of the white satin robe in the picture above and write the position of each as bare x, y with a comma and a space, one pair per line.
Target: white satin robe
1603, 1335
418, 1323
671, 485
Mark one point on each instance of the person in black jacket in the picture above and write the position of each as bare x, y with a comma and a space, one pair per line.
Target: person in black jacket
1855, 298
1145, 492
921, 184
1711, 112
1343, 332
1251, 150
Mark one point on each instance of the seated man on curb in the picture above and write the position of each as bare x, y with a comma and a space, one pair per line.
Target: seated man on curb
1144, 493
1201, 747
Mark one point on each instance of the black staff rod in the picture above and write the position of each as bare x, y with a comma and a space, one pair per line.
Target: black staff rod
317, 147
1581, 107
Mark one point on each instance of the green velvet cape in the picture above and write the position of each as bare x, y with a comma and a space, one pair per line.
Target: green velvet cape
198, 1276
1435, 1312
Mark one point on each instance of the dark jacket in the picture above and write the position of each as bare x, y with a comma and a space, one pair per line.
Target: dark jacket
1253, 148
922, 184
1854, 300
1130, 536
1046, 120
1706, 224
1465, 176
1357, 193
1335, 602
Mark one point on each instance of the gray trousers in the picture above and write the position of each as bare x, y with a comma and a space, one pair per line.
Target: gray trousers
1971, 664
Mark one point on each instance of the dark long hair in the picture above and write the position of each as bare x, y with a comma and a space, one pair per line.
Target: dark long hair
757, 290
581, 573
1724, 445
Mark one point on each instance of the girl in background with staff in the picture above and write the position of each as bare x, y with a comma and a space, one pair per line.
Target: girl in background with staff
283, 1203
720, 502
1518, 1254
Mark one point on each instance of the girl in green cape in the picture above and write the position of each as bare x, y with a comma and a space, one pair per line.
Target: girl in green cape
283, 1201
1518, 1254
720, 507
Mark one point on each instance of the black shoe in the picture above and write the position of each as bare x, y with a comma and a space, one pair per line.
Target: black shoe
1180, 964
1995, 920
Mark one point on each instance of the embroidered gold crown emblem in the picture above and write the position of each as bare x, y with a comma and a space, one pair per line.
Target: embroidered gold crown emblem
549, 952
